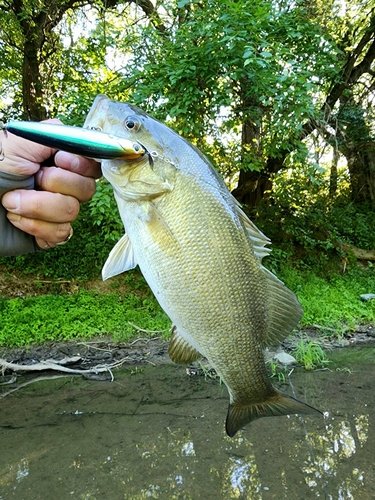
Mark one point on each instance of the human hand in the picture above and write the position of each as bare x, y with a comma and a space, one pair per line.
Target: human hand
46, 213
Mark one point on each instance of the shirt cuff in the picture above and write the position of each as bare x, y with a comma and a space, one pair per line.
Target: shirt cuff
13, 241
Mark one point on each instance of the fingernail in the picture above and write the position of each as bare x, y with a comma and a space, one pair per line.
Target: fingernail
11, 201
13, 217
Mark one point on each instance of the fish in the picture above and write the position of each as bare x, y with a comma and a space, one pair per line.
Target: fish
92, 143
202, 258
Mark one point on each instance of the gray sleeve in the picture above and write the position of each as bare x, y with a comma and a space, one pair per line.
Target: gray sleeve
12, 240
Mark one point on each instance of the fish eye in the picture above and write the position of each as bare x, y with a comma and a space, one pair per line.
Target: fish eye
132, 124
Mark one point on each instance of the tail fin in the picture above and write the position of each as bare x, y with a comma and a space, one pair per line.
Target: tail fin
277, 405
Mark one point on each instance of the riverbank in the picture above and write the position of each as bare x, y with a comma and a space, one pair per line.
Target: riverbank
102, 354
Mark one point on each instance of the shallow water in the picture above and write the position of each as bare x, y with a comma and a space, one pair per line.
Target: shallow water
156, 432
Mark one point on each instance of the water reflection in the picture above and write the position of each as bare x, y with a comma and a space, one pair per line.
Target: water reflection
160, 434
330, 453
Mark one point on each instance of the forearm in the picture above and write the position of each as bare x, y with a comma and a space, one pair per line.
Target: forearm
12, 240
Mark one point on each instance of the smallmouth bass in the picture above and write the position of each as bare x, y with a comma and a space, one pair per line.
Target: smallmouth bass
201, 256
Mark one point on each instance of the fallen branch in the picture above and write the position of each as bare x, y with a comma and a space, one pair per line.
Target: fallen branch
54, 365
359, 253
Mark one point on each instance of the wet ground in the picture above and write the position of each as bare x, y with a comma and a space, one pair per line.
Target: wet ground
157, 432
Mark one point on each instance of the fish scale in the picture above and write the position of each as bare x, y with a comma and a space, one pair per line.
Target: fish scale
207, 306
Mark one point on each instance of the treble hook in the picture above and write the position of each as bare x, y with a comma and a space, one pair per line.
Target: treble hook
155, 154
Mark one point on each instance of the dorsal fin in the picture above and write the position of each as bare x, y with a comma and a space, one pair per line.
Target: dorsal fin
283, 309
258, 239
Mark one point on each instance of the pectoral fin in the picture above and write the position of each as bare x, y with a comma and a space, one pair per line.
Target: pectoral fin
180, 351
120, 259
277, 405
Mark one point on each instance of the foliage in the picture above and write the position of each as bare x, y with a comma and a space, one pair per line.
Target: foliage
278, 370
310, 354
241, 61
306, 225
332, 301
104, 213
82, 315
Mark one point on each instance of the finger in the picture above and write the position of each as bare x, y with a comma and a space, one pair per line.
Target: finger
78, 164
57, 180
42, 230
44, 245
41, 205
22, 156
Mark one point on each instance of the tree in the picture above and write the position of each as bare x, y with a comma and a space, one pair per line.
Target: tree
246, 81
256, 65
33, 49
276, 71
27, 28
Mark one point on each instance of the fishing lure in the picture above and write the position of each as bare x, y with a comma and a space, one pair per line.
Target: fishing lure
91, 143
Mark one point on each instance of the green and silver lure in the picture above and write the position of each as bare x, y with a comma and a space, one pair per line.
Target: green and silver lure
81, 141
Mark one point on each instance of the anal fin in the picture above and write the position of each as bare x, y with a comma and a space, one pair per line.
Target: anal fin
180, 351
277, 405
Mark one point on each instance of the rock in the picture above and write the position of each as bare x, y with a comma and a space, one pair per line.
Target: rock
285, 358
367, 296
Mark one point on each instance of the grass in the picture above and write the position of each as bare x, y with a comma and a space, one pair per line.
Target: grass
332, 302
81, 315
310, 354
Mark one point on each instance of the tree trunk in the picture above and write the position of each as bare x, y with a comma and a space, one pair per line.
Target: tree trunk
32, 92
334, 174
254, 186
361, 165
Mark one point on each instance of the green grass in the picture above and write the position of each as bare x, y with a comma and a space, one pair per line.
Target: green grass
81, 315
310, 354
333, 301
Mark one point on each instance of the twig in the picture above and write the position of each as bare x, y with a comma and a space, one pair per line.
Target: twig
143, 339
38, 379
321, 327
143, 330
51, 365
11, 381
58, 282
86, 344
151, 363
